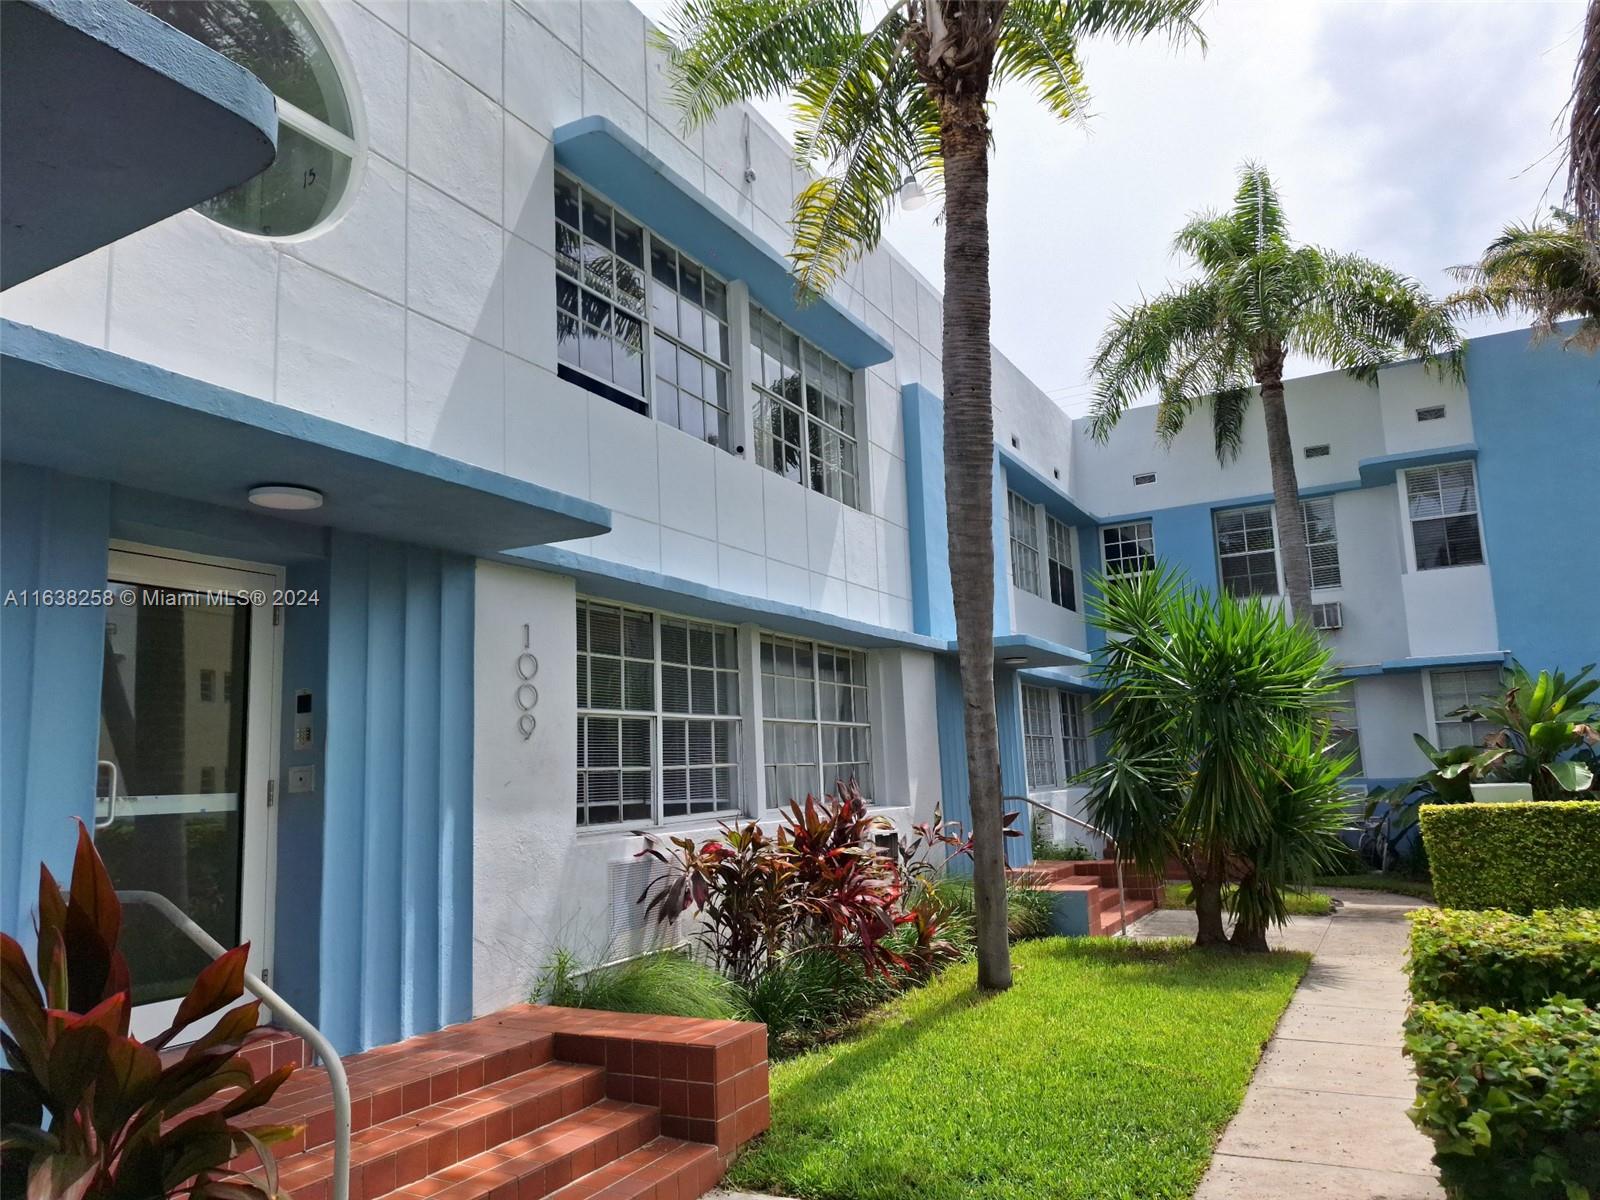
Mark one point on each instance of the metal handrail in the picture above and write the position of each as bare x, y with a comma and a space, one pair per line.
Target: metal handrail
1122, 895
285, 1013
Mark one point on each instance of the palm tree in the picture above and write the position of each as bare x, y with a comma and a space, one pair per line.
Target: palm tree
1583, 142
1258, 299
884, 92
1214, 712
1548, 268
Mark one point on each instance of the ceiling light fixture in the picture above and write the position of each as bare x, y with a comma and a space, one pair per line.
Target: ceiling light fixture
912, 196
1014, 660
285, 497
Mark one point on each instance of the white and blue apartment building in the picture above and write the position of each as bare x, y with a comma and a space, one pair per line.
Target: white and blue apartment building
420, 481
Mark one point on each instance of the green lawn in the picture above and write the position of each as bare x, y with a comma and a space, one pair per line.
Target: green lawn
1417, 888
1304, 904
1108, 1070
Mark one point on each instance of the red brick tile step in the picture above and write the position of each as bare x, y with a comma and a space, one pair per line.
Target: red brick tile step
532, 1102
1097, 877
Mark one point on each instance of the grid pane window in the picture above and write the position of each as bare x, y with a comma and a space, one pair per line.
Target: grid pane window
816, 726
1063, 584
1039, 739
1024, 544
699, 753
600, 293
805, 412
1322, 542
689, 346
1455, 693
1247, 551
1128, 548
1443, 505
642, 678
1077, 742
1344, 734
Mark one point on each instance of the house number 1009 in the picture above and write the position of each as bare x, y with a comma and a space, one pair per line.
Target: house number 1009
527, 696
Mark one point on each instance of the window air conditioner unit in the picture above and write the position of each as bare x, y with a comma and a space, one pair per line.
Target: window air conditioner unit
1329, 615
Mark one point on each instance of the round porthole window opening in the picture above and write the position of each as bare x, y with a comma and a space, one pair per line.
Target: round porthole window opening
277, 42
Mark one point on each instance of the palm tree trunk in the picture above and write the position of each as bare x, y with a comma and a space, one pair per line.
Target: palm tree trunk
1205, 883
1286, 498
969, 503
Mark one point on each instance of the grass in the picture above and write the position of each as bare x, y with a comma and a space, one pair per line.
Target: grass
1419, 889
667, 983
1299, 904
1108, 1070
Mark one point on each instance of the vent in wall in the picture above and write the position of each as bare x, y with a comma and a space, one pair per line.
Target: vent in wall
1143, 477
1016, 442
1434, 412
1319, 451
632, 930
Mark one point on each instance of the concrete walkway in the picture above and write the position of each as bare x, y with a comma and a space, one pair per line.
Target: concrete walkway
1325, 1115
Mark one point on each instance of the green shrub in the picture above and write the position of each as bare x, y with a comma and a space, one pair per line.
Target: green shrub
1511, 1100
1518, 857
1502, 960
667, 984
806, 996
1030, 913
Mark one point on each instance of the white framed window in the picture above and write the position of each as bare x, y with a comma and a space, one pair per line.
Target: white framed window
1058, 556
1024, 528
658, 716
1077, 736
816, 723
804, 412
636, 321
1039, 738
1454, 695
1322, 543
279, 42
1443, 508
1247, 551
1128, 548
1344, 730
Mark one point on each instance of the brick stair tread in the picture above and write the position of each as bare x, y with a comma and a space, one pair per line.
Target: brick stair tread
649, 1172
536, 1164
438, 1135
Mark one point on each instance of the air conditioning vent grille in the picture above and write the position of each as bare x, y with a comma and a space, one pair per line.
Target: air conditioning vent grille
1319, 451
1434, 412
633, 931
1143, 477
1328, 615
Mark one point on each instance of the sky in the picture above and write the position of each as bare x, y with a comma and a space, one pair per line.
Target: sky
1409, 132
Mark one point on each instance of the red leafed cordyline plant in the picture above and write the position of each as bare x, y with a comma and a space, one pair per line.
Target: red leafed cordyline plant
821, 882
91, 1113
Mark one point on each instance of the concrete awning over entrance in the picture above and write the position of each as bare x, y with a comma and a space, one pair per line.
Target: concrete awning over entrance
113, 120
88, 412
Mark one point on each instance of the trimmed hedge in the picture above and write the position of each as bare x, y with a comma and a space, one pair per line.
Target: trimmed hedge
1518, 857
1511, 1100
1502, 960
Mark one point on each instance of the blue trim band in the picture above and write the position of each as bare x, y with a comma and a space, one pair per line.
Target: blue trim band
610, 161
1383, 470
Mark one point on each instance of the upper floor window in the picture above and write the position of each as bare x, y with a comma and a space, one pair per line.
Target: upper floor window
1024, 543
634, 336
1128, 548
1039, 739
805, 411
658, 716
1443, 504
276, 41
1455, 695
816, 730
1058, 545
1322, 542
1247, 551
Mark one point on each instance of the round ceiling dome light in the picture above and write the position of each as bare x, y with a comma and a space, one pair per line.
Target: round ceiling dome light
285, 497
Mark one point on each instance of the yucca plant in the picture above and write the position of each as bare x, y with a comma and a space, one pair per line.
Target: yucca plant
1258, 298
888, 92
92, 1113
1549, 269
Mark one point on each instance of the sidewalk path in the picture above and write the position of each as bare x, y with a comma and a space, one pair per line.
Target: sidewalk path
1325, 1115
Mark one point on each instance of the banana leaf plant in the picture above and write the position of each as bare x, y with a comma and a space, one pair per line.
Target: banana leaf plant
1546, 733
93, 1113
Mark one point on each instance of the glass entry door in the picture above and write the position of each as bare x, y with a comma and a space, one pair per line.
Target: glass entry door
187, 736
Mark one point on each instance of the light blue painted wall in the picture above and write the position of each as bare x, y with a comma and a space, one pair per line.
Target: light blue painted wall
53, 531
396, 902
1536, 415
1013, 764
949, 710
1002, 552
932, 607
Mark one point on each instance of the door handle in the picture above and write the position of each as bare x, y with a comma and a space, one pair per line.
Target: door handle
111, 796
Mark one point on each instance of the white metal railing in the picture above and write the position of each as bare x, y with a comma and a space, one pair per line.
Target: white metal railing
288, 1016
1122, 895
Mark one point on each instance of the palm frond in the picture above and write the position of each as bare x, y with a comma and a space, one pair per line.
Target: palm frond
1583, 141
1038, 46
1257, 211
1548, 269
1137, 351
